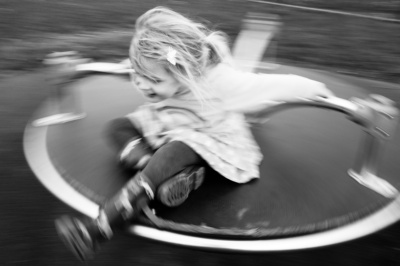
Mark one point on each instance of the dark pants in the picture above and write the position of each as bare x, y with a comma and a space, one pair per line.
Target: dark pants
167, 161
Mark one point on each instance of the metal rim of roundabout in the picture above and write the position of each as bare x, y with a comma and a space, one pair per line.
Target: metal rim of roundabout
38, 159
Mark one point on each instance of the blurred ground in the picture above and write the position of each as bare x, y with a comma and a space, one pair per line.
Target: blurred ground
101, 30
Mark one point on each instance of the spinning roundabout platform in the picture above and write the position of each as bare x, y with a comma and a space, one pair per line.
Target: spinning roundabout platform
310, 194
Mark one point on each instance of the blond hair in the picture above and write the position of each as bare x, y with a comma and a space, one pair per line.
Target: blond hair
196, 48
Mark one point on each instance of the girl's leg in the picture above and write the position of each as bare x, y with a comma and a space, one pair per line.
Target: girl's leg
169, 169
133, 150
175, 170
120, 131
83, 235
169, 160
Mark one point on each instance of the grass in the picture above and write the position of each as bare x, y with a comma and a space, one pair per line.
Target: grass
101, 30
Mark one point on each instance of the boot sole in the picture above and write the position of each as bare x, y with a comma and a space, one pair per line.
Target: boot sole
176, 190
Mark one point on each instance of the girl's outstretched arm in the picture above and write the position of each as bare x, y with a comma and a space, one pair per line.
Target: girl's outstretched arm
250, 93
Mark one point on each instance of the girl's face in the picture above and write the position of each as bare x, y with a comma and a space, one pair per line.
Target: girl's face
160, 85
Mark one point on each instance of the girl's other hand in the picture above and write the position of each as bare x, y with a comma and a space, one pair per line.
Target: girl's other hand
318, 93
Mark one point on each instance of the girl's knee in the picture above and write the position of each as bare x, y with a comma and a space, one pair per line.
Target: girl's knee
111, 128
172, 147
120, 130
117, 124
177, 150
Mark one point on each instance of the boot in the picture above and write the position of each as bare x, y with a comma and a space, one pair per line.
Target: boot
174, 191
84, 235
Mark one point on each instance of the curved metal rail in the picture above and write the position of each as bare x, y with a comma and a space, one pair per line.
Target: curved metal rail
366, 226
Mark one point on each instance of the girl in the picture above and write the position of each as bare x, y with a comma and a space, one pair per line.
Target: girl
194, 116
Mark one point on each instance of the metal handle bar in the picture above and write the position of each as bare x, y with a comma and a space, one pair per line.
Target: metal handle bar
109, 68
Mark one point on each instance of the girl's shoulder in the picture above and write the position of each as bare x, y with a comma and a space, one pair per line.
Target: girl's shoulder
219, 71
220, 75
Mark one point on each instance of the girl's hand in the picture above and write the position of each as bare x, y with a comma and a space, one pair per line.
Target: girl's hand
317, 93
324, 92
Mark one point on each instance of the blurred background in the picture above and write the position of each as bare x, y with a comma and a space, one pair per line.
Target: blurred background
101, 29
